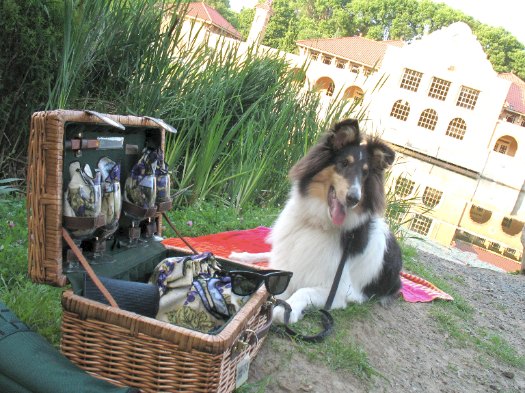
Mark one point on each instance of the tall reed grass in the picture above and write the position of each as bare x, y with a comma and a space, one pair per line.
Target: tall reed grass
243, 119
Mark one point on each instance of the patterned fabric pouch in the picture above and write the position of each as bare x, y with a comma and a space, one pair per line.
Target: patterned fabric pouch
190, 294
111, 197
162, 179
82, 197
141, 187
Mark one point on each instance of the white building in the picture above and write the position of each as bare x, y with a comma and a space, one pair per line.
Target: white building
456, 124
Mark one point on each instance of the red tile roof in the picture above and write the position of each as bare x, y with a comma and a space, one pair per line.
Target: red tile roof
516, 95
210, 15
358, 49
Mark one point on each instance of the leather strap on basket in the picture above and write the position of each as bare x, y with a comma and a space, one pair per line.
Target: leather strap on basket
138, 211
79, 223
89, 270
165, 216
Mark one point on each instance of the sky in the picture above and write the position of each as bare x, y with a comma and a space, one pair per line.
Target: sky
504, 13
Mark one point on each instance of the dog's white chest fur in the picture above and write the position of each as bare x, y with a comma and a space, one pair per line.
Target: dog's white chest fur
306, 242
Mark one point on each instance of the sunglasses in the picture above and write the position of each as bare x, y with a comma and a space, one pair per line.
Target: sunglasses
245, 283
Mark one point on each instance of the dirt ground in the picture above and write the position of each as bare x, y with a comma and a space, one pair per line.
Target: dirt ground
408, 348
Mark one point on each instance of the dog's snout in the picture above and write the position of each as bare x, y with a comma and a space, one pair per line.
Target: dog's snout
353, 196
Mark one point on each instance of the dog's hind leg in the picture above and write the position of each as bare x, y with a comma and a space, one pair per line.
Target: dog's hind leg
248, 257
304, 298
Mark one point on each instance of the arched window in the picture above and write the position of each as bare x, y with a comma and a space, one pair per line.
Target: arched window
353, 92
325, 85
431, 197
506, 145
457, 128
404, 187
400, 110
479, 215
428, 119
421, 224
511, 226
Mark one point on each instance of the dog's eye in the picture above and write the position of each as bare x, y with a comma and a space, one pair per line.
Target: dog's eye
365, 171
345, 163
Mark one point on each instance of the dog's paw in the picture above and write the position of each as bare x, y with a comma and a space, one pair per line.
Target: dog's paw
279, 314
248, 257
356, 297
238, 256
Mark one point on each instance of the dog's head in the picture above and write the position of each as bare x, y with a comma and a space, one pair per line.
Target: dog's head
345, 170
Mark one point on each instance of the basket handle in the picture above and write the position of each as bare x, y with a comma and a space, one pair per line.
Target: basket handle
89, 270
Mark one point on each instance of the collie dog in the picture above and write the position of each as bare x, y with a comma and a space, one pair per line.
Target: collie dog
335, 208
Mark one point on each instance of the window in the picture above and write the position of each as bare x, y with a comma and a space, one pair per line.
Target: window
502, 146
457, 128
428, 119
353, 92
327, 60
431, 197
493, 246
330, 90
479, 241
511, 226
439, 89
420, 224
467, 97
326, 85
404, 187
354, 68
340, 63
479, 215
400, 110
510, 119
314, 55
511, 253
506, 145
411, 79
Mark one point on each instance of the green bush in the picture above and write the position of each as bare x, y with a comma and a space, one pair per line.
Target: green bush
31, 32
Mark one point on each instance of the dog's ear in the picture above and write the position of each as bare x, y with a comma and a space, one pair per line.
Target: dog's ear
344, 133
381, 155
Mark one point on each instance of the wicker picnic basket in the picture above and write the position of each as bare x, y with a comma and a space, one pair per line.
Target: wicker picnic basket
123, 347
45, 181
155, 356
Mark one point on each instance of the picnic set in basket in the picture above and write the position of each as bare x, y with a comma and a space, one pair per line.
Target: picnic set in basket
138, 314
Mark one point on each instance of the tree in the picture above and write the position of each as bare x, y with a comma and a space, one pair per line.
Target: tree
381, 20
504, 51
245, 19
281, 31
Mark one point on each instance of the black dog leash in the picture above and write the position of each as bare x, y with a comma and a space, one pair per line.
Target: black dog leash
326, 318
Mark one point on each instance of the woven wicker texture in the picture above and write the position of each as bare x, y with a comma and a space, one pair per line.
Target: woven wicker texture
155, 356
45, 187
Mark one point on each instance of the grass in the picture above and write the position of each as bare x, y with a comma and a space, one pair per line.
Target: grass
39, 305
339, 351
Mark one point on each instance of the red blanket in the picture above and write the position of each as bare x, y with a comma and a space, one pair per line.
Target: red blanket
414, 289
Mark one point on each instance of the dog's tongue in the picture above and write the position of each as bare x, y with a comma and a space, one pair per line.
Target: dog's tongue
337, 211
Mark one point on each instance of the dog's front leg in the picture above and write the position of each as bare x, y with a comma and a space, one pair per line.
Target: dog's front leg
304, 298
248, 257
